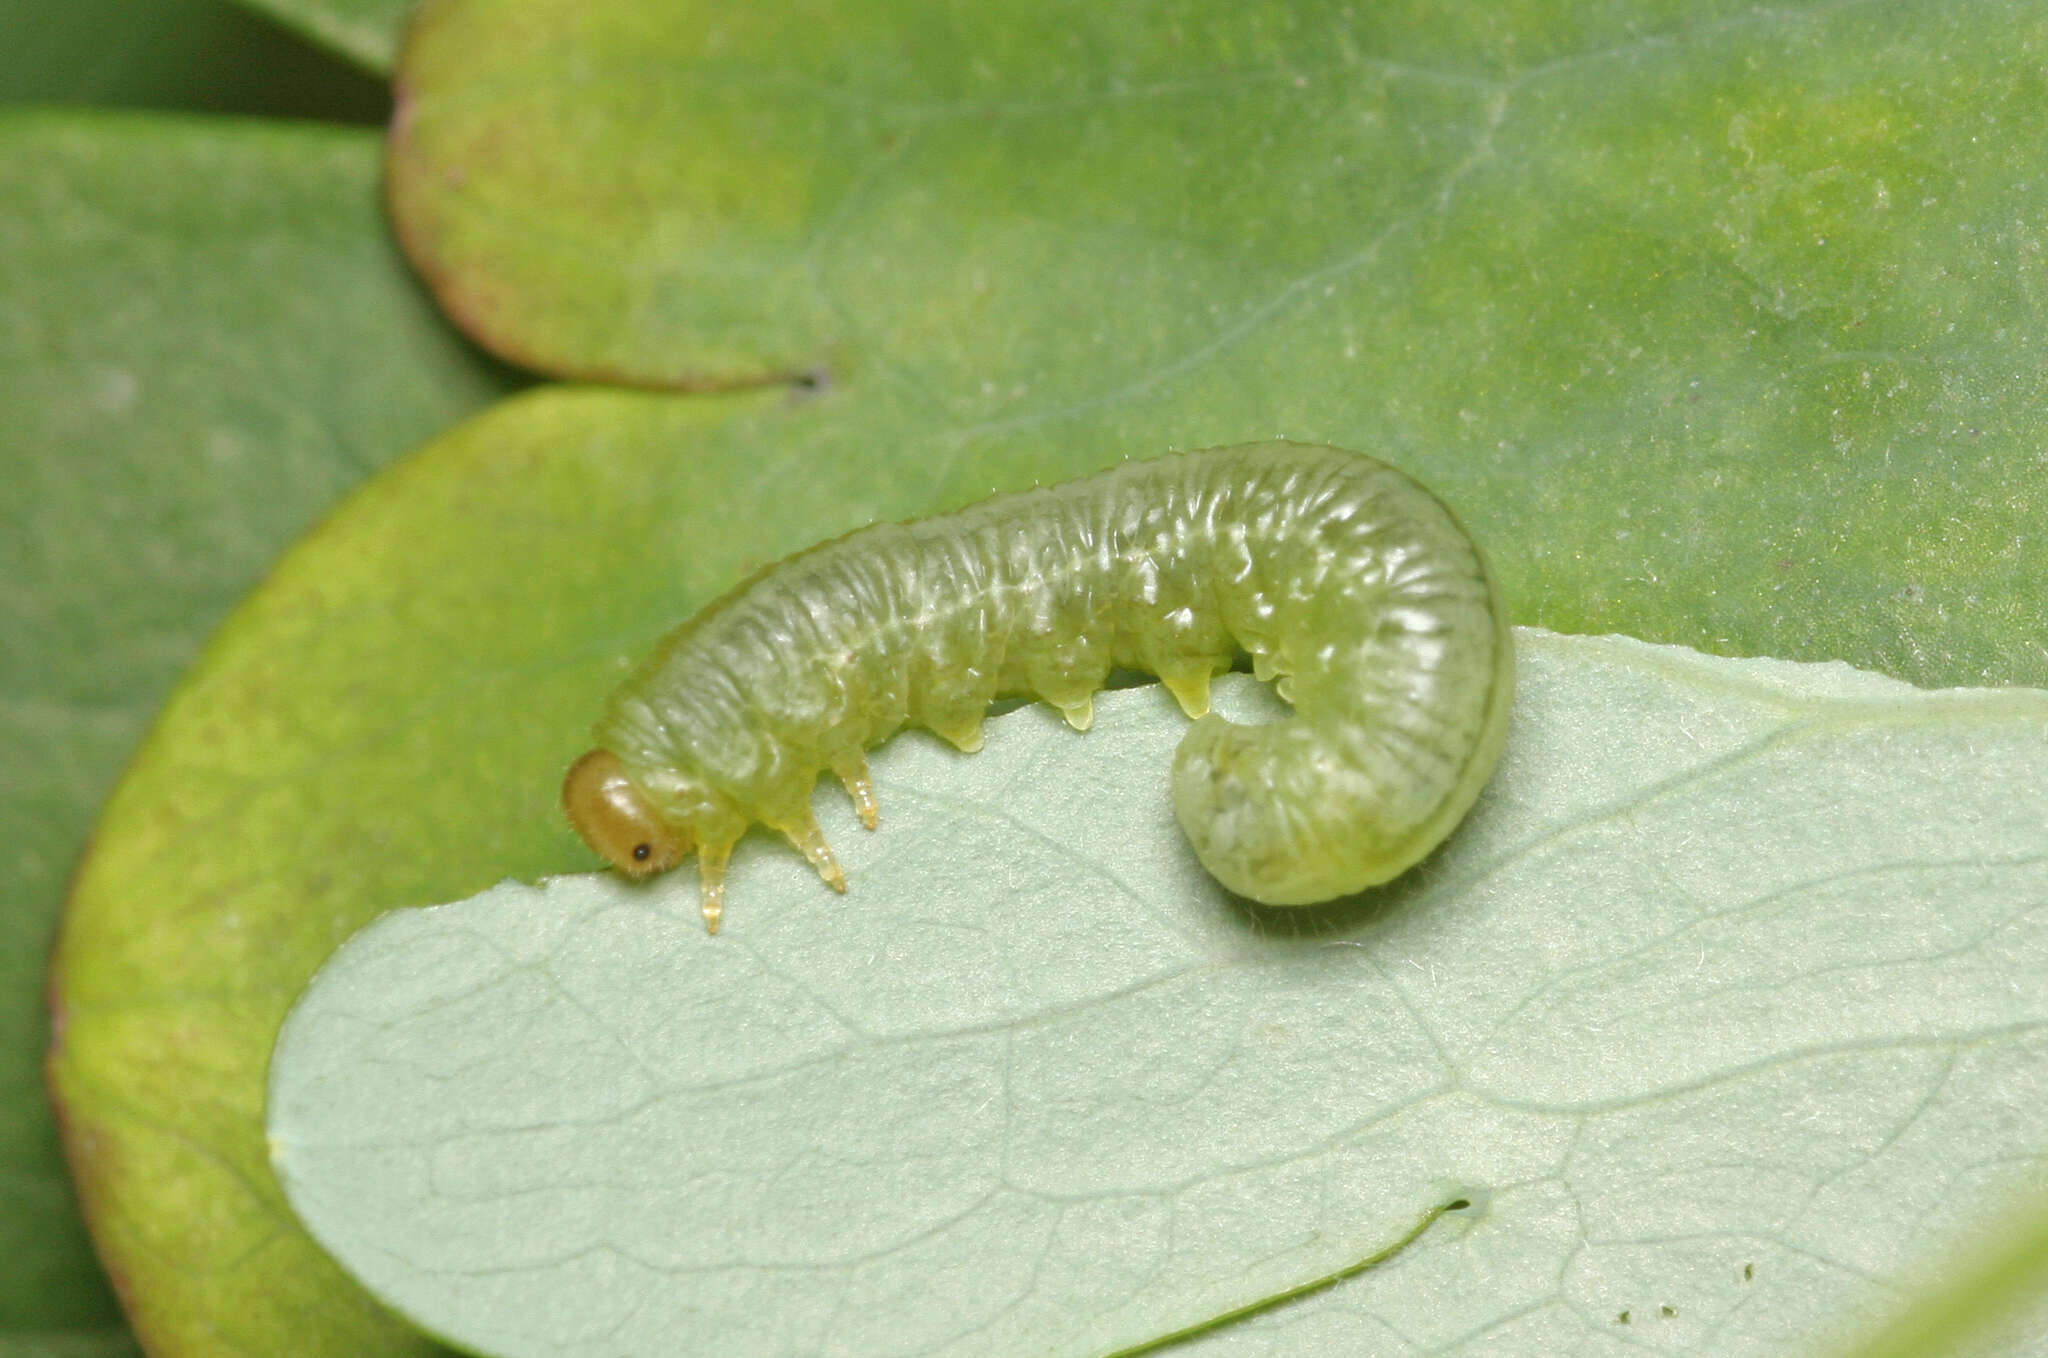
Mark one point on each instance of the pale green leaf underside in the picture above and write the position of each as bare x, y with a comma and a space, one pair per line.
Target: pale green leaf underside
1722, 1008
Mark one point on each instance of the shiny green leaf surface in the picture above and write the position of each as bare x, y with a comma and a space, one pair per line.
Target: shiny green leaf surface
1719, 318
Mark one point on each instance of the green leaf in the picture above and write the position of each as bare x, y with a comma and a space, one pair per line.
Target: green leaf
206, 339
184, 54
1714, 319
1723, 1005
366, 31
115, 1343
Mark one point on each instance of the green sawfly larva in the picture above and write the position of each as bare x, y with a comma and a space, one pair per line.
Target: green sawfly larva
1347, 582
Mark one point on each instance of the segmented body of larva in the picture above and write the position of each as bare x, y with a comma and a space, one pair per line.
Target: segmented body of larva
1339, 576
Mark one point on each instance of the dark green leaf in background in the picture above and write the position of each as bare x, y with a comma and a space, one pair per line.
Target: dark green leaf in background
198, 55
206, 339
1719, 322
366, 31
69, 1343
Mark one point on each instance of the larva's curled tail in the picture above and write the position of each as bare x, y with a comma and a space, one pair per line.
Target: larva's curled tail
1337, 574
1258, 813
1273, 812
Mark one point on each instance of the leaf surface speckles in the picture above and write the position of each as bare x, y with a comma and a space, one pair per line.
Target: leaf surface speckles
1728, 985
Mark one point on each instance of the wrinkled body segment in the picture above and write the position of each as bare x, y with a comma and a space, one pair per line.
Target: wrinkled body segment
1339, 576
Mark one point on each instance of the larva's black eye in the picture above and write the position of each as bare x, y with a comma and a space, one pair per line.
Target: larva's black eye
614, 817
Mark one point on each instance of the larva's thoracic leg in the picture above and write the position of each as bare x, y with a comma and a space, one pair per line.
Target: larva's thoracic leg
1190, 688
810, 842
1080, 715
965, 737
711, 860
853, 771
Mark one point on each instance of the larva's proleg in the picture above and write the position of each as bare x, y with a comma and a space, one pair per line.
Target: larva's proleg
1345, 581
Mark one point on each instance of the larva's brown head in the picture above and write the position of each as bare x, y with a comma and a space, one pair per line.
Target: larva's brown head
615, 818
